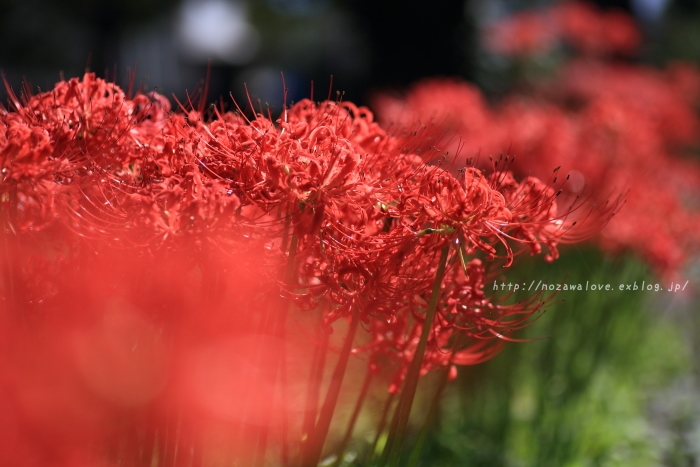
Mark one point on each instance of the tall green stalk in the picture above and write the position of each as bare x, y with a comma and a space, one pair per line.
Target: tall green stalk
314, 386
409, 390
276, 367
312, 454
353, 417
427, 424
380, 428
434, 406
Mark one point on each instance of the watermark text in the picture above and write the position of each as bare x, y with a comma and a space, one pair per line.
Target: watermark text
537, 286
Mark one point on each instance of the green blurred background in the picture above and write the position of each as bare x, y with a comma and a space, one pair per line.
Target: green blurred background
613, 382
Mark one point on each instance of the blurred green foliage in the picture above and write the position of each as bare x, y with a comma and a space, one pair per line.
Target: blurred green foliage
583, 394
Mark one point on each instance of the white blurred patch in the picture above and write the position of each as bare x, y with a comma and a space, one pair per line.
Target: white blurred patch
649, 11
218, 30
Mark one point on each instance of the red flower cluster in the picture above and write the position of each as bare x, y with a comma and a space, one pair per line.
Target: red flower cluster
607, 125
150, 258
578, 24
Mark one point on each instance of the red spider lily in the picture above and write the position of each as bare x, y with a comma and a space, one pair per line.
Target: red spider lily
596, 32
161, 259
579, 24
524, 34
464, 310
605, 125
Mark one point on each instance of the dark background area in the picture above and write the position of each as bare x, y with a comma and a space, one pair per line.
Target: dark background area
365, 45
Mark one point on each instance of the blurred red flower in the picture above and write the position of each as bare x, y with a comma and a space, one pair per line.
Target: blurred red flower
164, 274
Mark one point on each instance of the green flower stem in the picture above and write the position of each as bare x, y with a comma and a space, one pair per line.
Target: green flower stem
409, 390
434, 405
276, 367
380, 428
277, 371
314, 387
427, 424
353, 417
391, 437
312, 454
